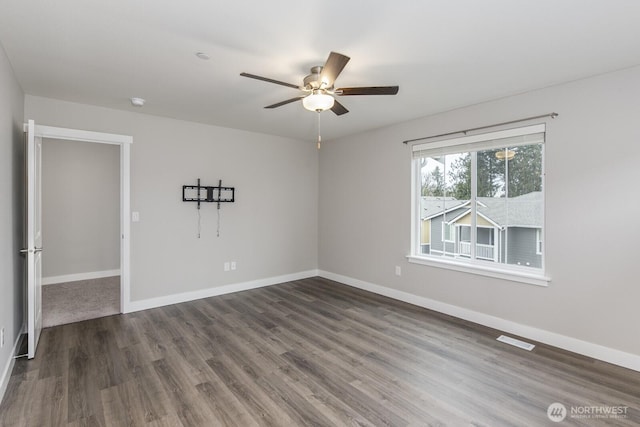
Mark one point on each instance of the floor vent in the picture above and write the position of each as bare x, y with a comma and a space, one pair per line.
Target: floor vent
516, 343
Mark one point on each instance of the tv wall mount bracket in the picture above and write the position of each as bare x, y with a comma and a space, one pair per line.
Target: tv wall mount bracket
208, 194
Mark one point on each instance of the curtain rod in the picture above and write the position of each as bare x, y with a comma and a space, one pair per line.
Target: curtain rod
552, 115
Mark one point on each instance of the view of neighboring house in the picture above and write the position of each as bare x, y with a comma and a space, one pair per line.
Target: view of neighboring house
509, 229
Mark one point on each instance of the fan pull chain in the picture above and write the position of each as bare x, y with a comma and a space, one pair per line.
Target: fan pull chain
319, 137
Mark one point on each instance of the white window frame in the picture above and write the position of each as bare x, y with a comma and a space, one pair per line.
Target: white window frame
473, 143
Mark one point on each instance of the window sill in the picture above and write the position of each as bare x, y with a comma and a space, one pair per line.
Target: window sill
499, 273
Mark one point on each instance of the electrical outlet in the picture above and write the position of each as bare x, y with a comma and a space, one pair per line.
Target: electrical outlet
233, 265
1, 337
398, 271
226, 266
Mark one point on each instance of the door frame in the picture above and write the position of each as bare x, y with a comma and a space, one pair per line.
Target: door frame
124, 141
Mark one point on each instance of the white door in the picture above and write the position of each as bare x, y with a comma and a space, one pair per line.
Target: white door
34, 237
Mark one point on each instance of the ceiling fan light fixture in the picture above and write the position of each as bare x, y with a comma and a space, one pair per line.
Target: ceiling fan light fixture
318, 90
318, 101
137, 102
505, 154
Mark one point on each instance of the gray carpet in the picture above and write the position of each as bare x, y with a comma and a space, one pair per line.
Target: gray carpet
82, 300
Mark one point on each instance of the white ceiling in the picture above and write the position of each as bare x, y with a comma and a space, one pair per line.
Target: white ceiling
443, 54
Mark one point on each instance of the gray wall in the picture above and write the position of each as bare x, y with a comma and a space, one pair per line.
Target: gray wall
80, 207
11, 207
270, 231
592, 156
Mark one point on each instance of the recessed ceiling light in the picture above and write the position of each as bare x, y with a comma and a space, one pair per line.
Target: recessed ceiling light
203, 56
137, 102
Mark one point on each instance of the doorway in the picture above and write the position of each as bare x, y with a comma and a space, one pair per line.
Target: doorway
34, 250
80, 231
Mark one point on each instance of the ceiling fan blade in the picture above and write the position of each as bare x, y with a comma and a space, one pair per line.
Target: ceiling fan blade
288, 101
339, 109
333, 67
372, 90
266, 79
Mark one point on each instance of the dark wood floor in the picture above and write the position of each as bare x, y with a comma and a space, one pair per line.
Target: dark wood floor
311, 352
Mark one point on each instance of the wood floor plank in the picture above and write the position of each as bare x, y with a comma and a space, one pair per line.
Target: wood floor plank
257, 403
156, 347
121, 405
123, 331
83, 402
106, 355
264, 371
56, 364
310, 352
52, 393
181, 394
16, 411
149, 397
301, 411
348, 394
225, 406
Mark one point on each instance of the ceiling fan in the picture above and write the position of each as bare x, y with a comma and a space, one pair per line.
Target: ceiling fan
318, 87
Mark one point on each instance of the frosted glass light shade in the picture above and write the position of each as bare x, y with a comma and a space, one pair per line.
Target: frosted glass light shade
318, 101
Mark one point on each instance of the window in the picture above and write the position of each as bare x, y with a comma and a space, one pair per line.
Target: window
490, 189
449, 233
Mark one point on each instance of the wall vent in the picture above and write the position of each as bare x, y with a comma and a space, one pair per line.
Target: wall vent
514, 342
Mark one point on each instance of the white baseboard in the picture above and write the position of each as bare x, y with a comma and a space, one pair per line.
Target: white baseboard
8, 367
596, 351
52, 280
146, 304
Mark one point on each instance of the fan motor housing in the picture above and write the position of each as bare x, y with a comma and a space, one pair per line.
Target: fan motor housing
312, 81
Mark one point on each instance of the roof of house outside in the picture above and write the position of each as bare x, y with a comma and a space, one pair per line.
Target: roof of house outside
521, 211
433, 206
